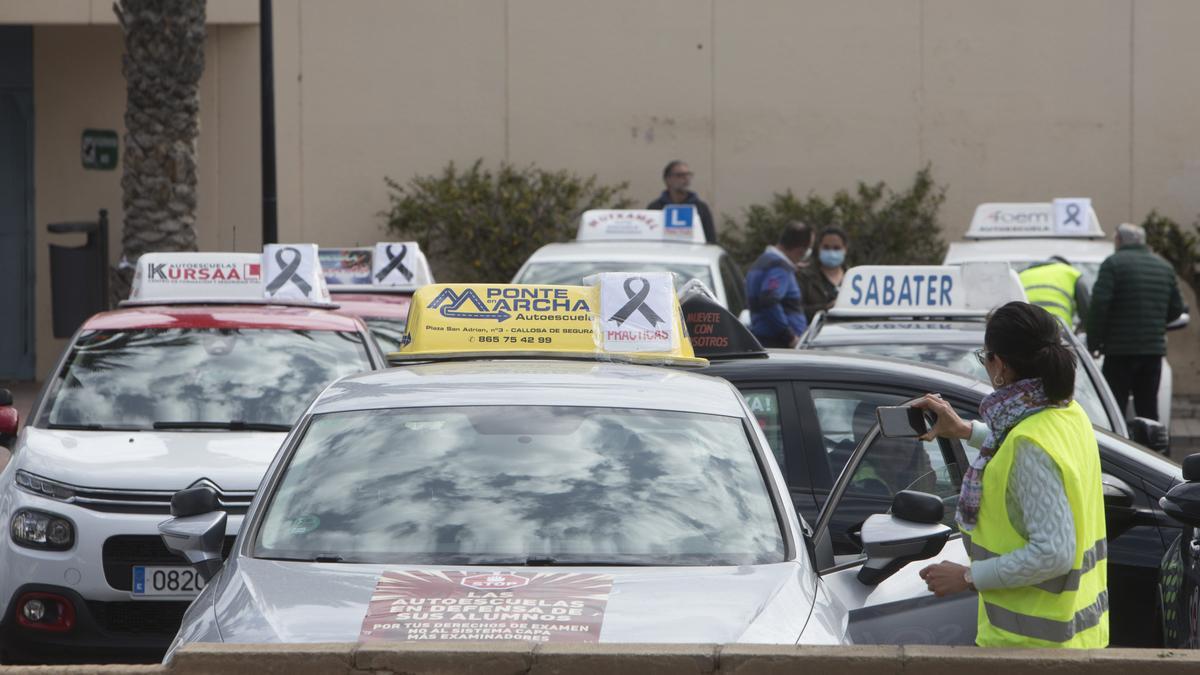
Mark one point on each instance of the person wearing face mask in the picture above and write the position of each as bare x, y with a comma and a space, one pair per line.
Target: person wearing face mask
819, 283
1031, 509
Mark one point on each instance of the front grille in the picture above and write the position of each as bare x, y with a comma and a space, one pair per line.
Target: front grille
124, 551
140, 618
149, 501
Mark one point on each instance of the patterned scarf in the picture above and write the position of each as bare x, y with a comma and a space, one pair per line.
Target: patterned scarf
1002, 410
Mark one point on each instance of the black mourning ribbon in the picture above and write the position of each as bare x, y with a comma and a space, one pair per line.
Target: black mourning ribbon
289, 272
1073, 215
395, 262
637, 303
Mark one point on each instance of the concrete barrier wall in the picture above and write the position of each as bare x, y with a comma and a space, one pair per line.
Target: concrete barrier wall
519, 659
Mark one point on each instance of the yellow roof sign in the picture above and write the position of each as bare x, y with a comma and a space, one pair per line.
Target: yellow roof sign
619, 316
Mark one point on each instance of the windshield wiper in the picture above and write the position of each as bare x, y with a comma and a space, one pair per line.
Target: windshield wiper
91, 426
234, 425
545, 560
327, 558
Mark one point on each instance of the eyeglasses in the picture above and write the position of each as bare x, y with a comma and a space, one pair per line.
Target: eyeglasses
983, 356
681, 174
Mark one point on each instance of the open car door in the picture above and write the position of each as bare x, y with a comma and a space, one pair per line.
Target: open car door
871, 543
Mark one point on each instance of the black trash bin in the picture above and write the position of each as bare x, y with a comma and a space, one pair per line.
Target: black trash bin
78, 274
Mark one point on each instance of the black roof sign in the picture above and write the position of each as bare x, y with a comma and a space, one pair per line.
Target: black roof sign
715, 332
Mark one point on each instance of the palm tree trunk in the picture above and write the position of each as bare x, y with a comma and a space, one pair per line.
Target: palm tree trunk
163, 62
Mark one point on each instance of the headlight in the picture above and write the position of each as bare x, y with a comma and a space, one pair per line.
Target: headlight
35, 529
44, 487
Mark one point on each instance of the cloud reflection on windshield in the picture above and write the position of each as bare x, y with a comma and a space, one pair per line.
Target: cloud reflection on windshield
136, 378
462, 485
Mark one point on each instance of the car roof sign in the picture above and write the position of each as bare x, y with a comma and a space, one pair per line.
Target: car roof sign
968, 290
617, 316
388, 266
284, 274
1064, 217
714, 331
676, 222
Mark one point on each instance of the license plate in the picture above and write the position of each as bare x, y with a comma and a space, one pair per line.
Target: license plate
172, 581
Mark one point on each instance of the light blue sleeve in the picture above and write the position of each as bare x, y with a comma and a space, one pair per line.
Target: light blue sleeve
979, 432
1046, 517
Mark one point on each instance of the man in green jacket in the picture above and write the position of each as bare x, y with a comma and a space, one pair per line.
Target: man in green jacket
1134, 299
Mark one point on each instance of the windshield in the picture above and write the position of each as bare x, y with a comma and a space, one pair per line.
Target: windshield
388, 333
140, 378
519, 485
573, 271
961, 358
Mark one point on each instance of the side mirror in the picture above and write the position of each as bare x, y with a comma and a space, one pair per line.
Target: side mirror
9, 417
1120, 514
1180, 323
1150, 433
1117, 493
194, 501
891, 541
197, 532
1191, 467
1182, 503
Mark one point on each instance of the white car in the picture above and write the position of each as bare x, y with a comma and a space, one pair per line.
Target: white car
642, 241
147, 400
552, 487
1023, 234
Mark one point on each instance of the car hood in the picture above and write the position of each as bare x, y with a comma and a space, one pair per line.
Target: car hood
148, 460
265, 601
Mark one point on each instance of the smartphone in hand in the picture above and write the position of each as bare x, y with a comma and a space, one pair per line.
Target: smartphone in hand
901, 421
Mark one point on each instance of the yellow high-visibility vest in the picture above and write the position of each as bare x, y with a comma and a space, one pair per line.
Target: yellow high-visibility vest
1066, 611
1052, 287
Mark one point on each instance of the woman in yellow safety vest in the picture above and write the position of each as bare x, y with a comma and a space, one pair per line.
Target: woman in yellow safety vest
1031, 509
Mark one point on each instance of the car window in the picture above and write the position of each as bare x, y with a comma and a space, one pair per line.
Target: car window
503, 485
764, 403
135, 378
845, 416
388, 333
889, 465
732, 280
961, 358
573, 271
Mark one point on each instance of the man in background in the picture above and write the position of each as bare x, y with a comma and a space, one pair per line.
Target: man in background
678, 178
1134, 299
1058, 288
776, 306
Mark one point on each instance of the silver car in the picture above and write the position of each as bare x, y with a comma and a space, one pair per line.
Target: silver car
547, 500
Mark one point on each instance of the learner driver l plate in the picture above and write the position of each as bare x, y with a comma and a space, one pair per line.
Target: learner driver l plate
166, 581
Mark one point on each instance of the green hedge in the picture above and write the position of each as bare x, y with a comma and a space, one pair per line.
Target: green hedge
1178, 246
884, 226
476, 225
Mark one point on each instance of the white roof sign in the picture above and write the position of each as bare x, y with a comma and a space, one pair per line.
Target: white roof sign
226, 278
637, 311
1072, 217
390, 266
972, 289
676, 222
293, 274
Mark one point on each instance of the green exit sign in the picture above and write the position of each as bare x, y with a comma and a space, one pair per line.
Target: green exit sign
99, 149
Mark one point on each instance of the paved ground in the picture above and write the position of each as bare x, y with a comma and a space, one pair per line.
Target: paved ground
1185, 427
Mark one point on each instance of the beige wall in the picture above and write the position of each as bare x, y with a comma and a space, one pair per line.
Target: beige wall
1022, 100
78, 85
758, 95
